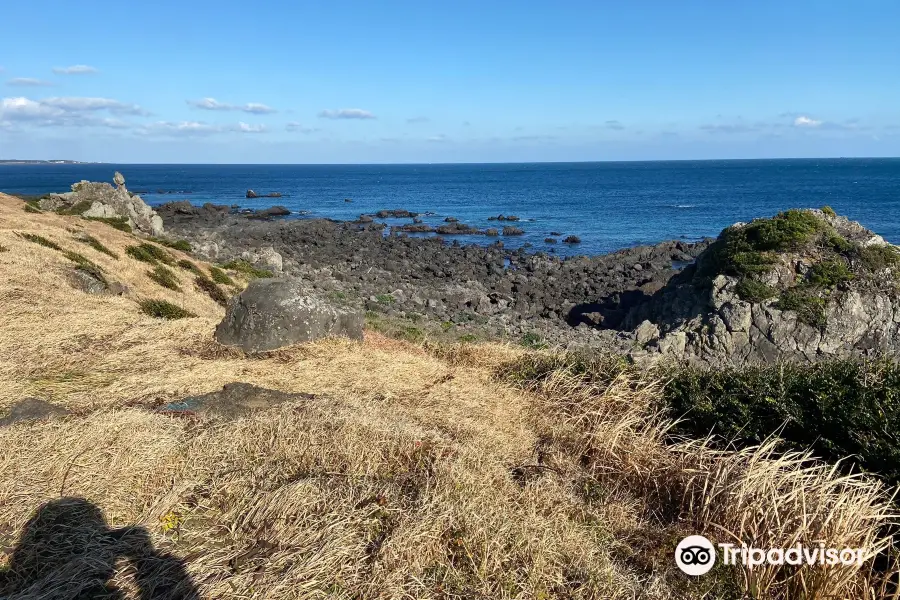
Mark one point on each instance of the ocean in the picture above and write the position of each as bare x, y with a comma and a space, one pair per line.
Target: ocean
609, 205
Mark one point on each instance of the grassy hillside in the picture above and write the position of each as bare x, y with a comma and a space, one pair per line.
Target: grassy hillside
417, 471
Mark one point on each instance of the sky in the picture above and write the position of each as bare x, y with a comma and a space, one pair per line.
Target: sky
199, 81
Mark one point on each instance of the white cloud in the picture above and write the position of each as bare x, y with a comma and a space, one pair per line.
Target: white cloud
254, 108
346, 113
298, 127
29, 82
24, 111
74, 70
804, 121
245, 128
79, 104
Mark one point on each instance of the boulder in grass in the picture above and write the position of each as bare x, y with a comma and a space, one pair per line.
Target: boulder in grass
273, 313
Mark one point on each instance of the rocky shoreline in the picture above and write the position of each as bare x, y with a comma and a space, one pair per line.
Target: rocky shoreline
491, 289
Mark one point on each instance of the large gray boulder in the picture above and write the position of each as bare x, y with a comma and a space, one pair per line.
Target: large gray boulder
272, 313
94, 199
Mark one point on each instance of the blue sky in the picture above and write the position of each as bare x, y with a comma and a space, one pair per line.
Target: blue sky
348, 82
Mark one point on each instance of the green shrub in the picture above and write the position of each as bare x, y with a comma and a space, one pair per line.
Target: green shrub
829, 211
82, 263
97, 245
384, 299
40, 240
468, 338
164, 277
876, 258
120, 223
213, 291
829, 274
30, 208
75, 209
411, 333
809, 307
149, 253
751, 290
242, 266
189, 266
842, 409
161, 309
220, 276
182, 245
446, 325
840, 244
533, 341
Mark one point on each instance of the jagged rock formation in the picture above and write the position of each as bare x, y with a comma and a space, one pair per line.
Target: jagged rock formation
101, 200
802, 286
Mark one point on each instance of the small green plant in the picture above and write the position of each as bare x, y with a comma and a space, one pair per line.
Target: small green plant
182, 245
338, 295
829, 274
411, 333
468, 338
840, 244
161, 309
149, 253
82, 263
533, 341
809, 307
242, 266
40, 240
120, 223
876, 258
220, 276
164, 277
829, 211
189, 266
384, 299
446, 326
751, 290
212, 290
75, 209
97, 245
31, 208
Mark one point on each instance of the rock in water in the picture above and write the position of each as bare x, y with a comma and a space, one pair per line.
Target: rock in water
272, 313
252, 194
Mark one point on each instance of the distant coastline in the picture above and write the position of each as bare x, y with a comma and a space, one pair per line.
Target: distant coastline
46, 162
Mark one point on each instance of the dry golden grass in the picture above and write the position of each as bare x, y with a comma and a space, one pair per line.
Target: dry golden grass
415, 473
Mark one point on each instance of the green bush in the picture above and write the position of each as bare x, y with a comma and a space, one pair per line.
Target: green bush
30, 208
533, 341
242, 266
751, 290
40, 240
189, 266
468, 338
149, 253
829, 211
809, 307
97, 245
842, 409
120, 223
876, 258
164, 277
182, 245
75, 209
212, 290
829, 274
840, 244
220, 276
161, 309
384, 299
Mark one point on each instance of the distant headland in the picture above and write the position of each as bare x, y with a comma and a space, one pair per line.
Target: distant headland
45, 162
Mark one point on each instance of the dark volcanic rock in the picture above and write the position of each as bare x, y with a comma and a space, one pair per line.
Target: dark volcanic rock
268, 213
572, 239
32, 409
252, 194
233, 401
272, 313
397, 213
550, 240
510, 230
454, 228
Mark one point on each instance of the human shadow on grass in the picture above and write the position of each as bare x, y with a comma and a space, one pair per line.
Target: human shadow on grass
68, 552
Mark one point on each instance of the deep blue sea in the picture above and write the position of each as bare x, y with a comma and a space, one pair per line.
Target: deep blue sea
608, 205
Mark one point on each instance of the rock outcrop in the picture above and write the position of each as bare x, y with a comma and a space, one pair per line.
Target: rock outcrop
101, 200
802, 286
272, 313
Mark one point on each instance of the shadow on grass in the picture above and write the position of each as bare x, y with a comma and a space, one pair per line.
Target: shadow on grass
66, 550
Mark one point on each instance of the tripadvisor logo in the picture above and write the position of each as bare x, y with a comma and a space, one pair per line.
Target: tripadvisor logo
696, 555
